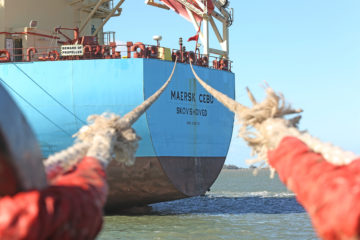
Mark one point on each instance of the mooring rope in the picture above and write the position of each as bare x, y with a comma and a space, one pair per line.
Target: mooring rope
264, 125
324, 178
107, 135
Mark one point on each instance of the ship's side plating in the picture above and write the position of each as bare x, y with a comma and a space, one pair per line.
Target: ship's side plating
185, 134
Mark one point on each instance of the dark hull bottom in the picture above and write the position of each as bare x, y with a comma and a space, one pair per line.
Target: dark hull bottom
158, 179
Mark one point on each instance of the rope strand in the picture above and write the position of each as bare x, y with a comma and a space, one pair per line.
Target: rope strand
107, 136
264, 125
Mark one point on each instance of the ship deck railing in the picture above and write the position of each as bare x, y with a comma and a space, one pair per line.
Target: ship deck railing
116, 51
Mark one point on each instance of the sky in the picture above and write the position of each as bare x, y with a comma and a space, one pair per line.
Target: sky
307, 49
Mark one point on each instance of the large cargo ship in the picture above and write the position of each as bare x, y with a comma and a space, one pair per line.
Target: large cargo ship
59, 79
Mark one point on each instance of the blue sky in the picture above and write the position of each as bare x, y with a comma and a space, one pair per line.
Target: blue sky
308, 50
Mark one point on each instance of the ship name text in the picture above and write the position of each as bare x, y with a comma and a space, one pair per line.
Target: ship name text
191, 97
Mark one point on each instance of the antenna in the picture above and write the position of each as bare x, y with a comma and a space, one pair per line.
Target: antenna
157, 38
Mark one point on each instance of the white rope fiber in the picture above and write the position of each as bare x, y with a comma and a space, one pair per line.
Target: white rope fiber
264, 125
106, 137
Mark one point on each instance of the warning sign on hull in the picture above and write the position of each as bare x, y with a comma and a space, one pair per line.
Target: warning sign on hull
72, 50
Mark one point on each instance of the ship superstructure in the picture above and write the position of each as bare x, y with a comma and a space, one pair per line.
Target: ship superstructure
25, 24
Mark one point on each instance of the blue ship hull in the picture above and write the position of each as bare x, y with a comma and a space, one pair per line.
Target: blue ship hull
185, 134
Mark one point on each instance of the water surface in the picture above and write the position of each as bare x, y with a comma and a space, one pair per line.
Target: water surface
239, 206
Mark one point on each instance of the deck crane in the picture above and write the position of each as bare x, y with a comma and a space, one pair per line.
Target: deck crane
199, 12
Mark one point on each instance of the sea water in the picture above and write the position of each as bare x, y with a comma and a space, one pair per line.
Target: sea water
238, 206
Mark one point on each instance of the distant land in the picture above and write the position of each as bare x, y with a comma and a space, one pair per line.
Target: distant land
231, 166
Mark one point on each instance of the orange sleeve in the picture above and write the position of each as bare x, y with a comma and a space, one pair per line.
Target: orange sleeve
72, 208
329, 193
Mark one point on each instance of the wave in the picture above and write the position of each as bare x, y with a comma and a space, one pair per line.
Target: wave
232, 203
263, 194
